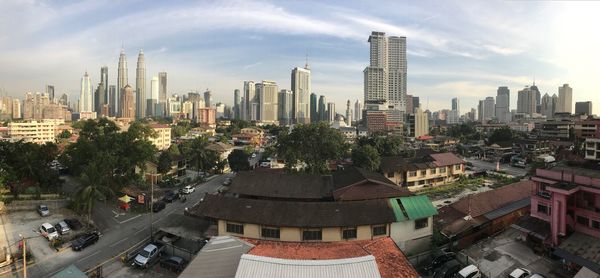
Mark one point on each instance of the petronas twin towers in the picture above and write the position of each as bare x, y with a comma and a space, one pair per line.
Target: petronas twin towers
120, 104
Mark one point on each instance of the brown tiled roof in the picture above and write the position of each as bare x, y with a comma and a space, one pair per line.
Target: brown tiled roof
482, 203
422, 160
158, 126
281, 185
294, 214
446, 159
390, 260
219, 147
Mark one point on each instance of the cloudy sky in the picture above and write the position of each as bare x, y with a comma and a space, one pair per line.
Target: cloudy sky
462, 49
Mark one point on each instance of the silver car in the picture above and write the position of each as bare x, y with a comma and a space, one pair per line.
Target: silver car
62, 228
43, 210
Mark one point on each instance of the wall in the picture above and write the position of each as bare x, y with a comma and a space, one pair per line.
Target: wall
332, 234
18, 205
404, 232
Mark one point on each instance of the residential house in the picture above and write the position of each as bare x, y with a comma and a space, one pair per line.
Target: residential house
223, 149
592, 148
426, 168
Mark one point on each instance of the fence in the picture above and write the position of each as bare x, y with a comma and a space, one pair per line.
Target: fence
465, 260
18, 205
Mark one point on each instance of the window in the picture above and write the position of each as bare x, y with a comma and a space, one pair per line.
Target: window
421, 223
412, 173
583, 220
457, 167
390, 175
312, 235
349, 233
543, 209
379, 230
423, 172
443, 170
270, 232
235, 228
433, 171
421, 182
596, 224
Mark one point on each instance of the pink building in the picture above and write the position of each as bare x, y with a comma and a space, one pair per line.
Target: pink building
569, 199
207, 116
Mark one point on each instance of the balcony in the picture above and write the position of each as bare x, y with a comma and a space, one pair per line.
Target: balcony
544, 194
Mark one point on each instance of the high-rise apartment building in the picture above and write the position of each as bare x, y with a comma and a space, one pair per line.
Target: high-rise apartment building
548, 106
122, 80
208, 102
418, 123
112, 96
267, 94
251, 101
285, 100
16, 108
314, 108
301, 88
503, 105
50, 92
162, 93
140, 86
99, 98
565, 99
322, 108
153, 100
455, 105
526, 102
583, 108
104, 82
357, 111
127, 103
86, 102
348, 114
236, 104
331, 112
489, 107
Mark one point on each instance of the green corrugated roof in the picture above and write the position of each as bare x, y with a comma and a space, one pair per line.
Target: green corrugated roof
70, 272
418, 207
397, 210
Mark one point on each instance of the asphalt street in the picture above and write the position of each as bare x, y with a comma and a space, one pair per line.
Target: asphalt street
515, 171
120, 236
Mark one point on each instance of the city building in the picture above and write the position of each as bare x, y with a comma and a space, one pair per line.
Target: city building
348, 117
455, 105
208, 98
162, 94
250, 101
503, 105
592, 148
417, 124
237, 102
105, 95
301, 88
588, 128
140, 87
16, 109
162, 136
86, 101
285, 100
127, 103
39, 132
206, 116
549, 105
453, 117
348, 205
526, 100
267, 94
174, 107
376, 121
583, 108
314, 108
122, 81
331, 111
322, 108
555, 129
358, 111
112, 95
153, 100
50, 92
565, 99
426, 168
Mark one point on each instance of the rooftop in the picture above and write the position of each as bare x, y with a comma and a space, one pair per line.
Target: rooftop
581, 249
423, 159
218, 259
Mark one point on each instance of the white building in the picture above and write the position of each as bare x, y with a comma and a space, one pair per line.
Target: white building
162, 138
86, 99
267, 93
565, 99
421, 122
34, 131
301, 88
250, 101
503, 105
331, 112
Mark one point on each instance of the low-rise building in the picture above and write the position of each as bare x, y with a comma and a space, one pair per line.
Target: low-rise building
555, 129
588, 128
162, 138
592, 148
427, 168
223, 149
35, 131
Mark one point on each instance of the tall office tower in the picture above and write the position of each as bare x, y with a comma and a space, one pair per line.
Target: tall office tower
526, 103
208, 98
16, 108
409, 104
127, 103
331, 112
583, 108
153, 100
162, 94
503, 105
112, 96
285, 99
416, 102
104, 82
480, 111
489, 107
322, 108
546, 107
314, 108
301, 89
99, 98
243, 112
267, 94
251, 101
348, 114
385, 77
236, 104
64, 100
140, 87
357, 111
472, 114
122, 80
86, 102
455, 105
565, 99
28, 106
50, 92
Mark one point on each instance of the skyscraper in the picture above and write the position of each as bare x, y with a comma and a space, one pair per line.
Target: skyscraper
322, 108
162, 93
489, 107
348, 114
583, 108
140, 87
208, 98
121, 79
104, 82
251, 101
153, 100
526, 103
357, 111
267, 92
503, 105
127, 103
331, 112
16, 108
99, 99
236, 104
314, 108
285, 99
50, 92
455, 105
565, 99
86, 102
301, 84
547, 107
112, 96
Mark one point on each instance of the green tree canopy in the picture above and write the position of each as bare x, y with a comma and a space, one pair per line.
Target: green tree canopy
164, 162
28, 164
366, 157
311, 145
504, 134
238, 160
197, 153
385, 145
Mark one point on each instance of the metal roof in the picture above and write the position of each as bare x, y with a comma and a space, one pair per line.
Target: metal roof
258, 266
525, 202
70, 272
395, 203
418, 207
218, 259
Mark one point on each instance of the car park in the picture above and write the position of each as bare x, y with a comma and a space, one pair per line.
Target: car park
173, 263
158, 206
448, 270
227, 182
62, 227
520, 273
148, 255
85, 240
43, 210
48, 231
470, 271
73, 223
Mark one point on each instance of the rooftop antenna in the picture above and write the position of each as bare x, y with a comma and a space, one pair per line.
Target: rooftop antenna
534, 80
306, 61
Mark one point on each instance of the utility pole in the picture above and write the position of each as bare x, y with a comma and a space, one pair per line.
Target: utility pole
151, 204
24, 256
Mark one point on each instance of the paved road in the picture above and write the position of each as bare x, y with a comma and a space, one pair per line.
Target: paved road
515, 171
120, 237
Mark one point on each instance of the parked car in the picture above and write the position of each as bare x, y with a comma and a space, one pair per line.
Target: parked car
469, 271
188, 189
48, 231
173, 263
73, 223
62, 227
448, 270
170, 196
158, 206
227, 182
440, 260
148, 255
43, 210
85, 240
520, 273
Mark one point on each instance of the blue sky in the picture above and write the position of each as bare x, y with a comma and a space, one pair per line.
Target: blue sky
462, 49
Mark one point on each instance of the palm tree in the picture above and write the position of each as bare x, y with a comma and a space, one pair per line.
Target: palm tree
95, 185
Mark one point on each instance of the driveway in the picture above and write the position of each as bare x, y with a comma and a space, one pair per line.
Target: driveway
515, 171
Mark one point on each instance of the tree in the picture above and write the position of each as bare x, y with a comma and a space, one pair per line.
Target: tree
65, 134
504, 134
174, 150
385, 145
310, 146
197, 153
238, 160
366, 157
94, 186
164, 162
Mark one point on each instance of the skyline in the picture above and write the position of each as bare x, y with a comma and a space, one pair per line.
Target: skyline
462, 49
